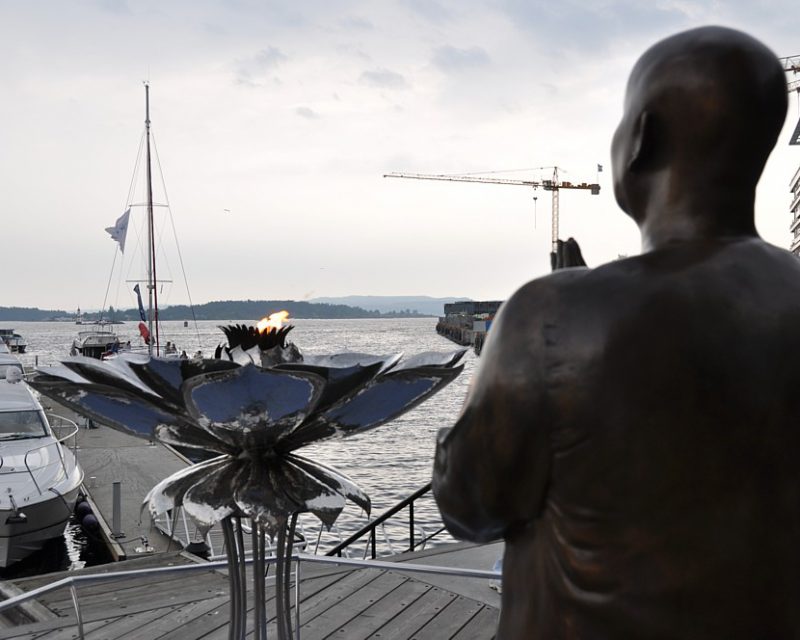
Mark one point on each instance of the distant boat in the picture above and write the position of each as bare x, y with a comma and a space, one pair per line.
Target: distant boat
97, 342
15, 342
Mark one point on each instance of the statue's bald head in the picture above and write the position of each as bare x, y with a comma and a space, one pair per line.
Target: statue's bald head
706, 105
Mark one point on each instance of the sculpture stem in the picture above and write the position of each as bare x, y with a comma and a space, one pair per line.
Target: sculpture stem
259, 610
281, 585
288, 570
242, 577
235, 626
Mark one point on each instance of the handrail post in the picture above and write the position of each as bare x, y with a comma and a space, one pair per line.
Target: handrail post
374, 554
411, 525
77, 606
297, 599
116, 510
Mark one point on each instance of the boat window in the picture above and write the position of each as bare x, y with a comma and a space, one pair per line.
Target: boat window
21, 424
5, 367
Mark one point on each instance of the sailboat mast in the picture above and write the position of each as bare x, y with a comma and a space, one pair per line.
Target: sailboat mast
152, 294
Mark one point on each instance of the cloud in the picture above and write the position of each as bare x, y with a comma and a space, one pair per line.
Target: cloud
449, 58
580, 26
115, 6
306, 112
384, 79
430, 10
355, 22
250, 70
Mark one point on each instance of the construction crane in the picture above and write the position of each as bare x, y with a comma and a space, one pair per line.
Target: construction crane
792, 65
555, 185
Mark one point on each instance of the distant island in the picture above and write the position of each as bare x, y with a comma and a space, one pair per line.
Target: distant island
327, 308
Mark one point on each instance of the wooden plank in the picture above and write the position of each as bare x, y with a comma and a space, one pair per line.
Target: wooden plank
119, 626
482, 626
415, 616
313, 590
204, 620
354, 604
383, 610
170, 559
449, 620
141, 598
174, 623
69, 632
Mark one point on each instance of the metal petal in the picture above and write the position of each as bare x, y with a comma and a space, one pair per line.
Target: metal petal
308, 491
166, 376
169, 493
240, 356
383, 400
341, 382
111, 406
338, 481
103, 373
192, 437
211, 499
344, 360
58, 371
251, 399
431, 359
256, 495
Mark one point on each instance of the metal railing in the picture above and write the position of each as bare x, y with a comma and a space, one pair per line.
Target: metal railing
370, 529
73, 582
57, 444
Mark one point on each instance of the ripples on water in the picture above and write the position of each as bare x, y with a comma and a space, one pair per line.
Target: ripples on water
389, 462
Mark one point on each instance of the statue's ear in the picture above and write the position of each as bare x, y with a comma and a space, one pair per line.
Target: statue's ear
643, 143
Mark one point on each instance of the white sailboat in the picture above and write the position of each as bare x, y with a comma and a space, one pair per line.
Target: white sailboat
149, 325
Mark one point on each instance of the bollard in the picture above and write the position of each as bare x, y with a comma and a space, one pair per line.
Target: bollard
116, 511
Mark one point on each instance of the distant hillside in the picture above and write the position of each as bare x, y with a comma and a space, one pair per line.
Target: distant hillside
243, 309
420, 304
30, 314
220, 310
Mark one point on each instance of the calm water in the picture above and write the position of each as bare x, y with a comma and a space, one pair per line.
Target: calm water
389, 462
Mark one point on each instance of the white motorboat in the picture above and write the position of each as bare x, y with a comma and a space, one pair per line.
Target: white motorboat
96, 343
39, 476
15, 342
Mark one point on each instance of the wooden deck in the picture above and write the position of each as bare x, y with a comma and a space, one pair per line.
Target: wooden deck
335, 602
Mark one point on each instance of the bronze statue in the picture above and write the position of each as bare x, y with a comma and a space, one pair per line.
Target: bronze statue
633, 429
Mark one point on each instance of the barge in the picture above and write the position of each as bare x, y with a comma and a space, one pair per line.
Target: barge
467, 323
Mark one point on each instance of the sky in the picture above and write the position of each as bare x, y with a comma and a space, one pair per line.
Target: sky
274, 122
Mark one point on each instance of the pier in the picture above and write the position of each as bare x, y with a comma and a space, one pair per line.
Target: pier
110, 457
337, 600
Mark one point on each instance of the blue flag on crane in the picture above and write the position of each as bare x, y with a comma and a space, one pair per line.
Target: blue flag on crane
141, 306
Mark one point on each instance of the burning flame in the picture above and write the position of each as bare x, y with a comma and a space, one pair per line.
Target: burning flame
272, 322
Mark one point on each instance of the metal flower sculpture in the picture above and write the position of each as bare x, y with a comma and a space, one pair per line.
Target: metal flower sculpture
245, 415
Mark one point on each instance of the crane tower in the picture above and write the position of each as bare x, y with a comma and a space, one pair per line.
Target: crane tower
791, 66
554, 186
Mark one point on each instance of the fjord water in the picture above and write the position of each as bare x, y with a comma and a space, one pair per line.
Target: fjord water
389, 462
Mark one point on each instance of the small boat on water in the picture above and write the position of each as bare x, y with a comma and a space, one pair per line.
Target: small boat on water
15, 342
39, 476
96, 343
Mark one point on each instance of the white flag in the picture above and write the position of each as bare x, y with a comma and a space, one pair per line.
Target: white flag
120, 230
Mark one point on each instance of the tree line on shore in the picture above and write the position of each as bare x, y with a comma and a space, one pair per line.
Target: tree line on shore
218, 310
